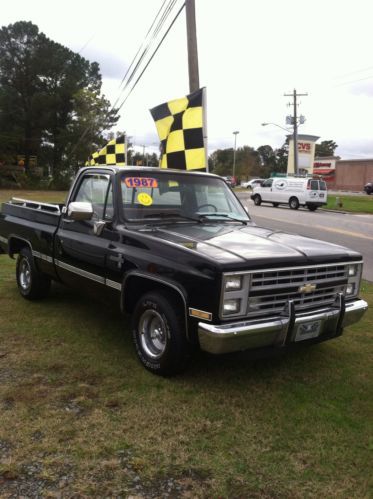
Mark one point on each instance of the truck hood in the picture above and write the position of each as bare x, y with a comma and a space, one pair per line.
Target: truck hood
228, 243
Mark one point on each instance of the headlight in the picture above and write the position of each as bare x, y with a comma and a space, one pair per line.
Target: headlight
235, 290
352, 270
231, 306
233, 283
350, 289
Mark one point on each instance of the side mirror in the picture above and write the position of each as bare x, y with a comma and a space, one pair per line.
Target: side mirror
79, 210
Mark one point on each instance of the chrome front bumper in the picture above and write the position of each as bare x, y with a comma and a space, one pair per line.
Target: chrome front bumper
282, 329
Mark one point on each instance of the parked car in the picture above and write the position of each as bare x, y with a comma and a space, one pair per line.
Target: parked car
250, 184
368, 188
294, 191
178, 252
231, 181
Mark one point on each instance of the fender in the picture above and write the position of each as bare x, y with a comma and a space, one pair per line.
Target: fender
13, 237
144, 275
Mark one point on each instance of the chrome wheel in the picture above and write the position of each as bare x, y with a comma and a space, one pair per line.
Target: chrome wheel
153, 333
25, 275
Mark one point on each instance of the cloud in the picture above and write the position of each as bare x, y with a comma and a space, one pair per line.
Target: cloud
111, 65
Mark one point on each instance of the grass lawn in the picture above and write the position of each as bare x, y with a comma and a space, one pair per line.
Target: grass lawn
354, 204
46, 196
350, 203
80, 417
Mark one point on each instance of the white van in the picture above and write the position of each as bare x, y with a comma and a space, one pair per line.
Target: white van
294, 191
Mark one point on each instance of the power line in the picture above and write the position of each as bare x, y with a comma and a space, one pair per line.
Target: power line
156, 50
138, 51
354, 72
129, 76
161, 22
353, 81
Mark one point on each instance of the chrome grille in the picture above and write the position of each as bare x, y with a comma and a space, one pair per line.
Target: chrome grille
271, 290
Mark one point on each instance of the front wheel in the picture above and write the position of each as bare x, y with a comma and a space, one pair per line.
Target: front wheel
257, 200
158, 333
32, 284
294, 203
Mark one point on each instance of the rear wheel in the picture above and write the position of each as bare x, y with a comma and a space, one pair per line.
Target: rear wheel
158, 333
257, 200
294, 203
32, 284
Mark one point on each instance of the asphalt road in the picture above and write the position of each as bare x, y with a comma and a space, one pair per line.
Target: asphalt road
351, 230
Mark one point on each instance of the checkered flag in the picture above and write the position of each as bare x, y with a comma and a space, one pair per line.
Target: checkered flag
180, 126
114, 153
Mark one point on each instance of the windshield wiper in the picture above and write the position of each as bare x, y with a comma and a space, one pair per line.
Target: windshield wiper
171, 215
224, 215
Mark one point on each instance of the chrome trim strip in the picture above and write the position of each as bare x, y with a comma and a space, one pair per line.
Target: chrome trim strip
83, 273
89, 275
300, 267
42, 256
114, 284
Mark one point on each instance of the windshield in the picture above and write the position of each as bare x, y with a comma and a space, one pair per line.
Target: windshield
154, 195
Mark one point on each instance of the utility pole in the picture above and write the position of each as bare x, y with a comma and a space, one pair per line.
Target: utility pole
295, 127
190, 12
234, 153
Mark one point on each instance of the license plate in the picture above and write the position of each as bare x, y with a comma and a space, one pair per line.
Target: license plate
308, 330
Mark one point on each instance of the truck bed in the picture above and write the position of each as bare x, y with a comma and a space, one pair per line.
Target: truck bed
34, 211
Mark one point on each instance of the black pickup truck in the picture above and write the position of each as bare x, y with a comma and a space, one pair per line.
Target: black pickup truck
178, 251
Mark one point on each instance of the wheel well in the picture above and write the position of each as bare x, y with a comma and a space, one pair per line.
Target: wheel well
295, 199
137, 286
15, 245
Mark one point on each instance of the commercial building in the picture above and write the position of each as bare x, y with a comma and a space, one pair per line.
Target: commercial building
344, 174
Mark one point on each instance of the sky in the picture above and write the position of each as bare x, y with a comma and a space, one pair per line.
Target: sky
251, 52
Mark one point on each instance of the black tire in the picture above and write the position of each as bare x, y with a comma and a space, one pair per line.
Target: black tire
32, 284
158, 333
294, 203
275, 205
312, 207
257, 200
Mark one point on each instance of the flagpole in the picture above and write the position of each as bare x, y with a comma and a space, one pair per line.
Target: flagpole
204, 119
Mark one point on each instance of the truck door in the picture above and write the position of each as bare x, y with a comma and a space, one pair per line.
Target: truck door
80, 253
266, 190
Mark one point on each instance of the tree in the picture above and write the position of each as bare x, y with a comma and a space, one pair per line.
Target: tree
49, 98
221, 161
325, 148
249, 162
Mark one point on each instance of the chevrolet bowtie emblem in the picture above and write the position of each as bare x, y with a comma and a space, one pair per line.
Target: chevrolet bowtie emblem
307, 288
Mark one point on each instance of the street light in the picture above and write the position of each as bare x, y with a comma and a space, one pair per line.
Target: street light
234, 152
275, 124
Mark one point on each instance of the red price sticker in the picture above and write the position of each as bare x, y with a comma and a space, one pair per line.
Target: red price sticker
140, 182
